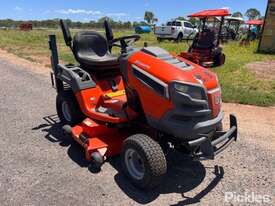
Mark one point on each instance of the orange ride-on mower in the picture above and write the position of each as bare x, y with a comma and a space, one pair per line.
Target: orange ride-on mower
140, 104
205, 49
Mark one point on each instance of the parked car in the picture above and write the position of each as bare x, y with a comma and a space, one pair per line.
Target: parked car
176, 30
143, 29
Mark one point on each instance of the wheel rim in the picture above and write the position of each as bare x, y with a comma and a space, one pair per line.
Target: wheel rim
66, 111
134, 164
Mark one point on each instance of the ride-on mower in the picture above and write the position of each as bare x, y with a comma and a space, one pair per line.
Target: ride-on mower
205, 49
140, 104
231, 30
253, 31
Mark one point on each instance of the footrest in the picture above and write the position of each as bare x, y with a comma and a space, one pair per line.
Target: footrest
114, 94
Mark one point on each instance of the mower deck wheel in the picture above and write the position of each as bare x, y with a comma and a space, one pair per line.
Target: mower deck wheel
97, 160
143, 161
67, 108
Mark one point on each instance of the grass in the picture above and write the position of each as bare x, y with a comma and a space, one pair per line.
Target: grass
239, 85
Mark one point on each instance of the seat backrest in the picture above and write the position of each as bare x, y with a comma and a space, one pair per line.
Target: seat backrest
89, 43
204, 40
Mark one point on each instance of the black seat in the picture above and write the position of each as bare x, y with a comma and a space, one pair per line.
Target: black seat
204, 40
91, 51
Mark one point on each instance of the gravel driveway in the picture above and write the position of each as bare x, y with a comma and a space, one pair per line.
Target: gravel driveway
39, 166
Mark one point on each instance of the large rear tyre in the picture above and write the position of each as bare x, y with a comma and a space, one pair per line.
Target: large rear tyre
68, 109
143, 161
219, 60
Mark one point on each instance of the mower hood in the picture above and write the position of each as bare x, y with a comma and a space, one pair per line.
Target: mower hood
170, 68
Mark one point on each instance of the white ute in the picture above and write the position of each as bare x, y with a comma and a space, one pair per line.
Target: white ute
176, 30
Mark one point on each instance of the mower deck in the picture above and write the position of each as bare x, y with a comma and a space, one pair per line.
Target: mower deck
99, 138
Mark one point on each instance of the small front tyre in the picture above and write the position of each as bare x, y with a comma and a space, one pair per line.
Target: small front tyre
219, 127
143, 161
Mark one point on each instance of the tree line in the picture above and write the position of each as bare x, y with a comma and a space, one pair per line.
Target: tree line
54, 23
251, 14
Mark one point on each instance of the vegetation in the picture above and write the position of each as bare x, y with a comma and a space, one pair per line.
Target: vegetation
237, 14
54, 23
238, 84
149, 17
253, 14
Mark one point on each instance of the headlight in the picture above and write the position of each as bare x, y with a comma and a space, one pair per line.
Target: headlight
196, 92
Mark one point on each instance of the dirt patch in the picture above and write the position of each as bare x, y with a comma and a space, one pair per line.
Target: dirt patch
41, 68
257, 124
263, 69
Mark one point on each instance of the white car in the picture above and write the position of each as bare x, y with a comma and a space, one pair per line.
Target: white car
176, 30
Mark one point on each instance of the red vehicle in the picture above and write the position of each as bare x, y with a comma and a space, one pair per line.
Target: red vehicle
137, 104
26, 26
205, 49
254, 34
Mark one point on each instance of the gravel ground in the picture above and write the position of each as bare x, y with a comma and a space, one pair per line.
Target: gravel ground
39, 166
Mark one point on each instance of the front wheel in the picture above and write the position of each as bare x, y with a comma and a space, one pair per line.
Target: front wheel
219, 128
159, 39
143, 161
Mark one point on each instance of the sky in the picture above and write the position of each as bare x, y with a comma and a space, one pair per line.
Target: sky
124, 10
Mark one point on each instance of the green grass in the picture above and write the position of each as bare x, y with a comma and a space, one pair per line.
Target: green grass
241, 85
238, 84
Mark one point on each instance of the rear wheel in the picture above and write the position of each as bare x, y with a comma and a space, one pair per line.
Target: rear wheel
67, 108
179, 38
143, 161
219, 60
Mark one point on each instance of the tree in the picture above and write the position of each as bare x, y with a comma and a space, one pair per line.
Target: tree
127, 24
149, 17
237, 14
181, 18
194, 21
155, 20
253, 13
102, 19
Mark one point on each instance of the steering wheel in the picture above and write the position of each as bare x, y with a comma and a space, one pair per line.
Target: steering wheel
124, 41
